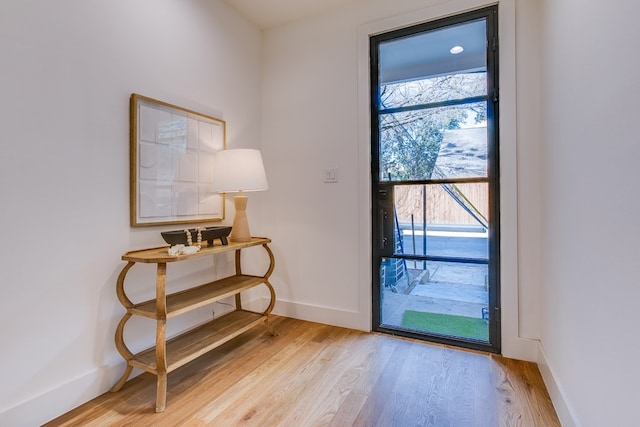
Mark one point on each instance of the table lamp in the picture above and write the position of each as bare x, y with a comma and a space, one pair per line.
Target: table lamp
239, 170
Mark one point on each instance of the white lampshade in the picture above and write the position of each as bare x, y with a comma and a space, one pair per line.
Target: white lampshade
239, 170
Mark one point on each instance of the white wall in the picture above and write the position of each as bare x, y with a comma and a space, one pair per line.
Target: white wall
315, 116
67, 70
590, 221
569, 208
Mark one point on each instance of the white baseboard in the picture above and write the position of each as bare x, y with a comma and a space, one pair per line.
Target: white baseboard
519, 348
59, 400
327, 315
65, 397
558, 396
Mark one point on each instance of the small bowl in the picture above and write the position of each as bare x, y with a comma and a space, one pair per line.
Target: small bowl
209, 234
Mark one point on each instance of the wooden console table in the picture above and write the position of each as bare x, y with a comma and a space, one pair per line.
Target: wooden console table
167, 356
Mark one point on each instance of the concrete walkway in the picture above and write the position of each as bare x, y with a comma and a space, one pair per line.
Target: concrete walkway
447, 288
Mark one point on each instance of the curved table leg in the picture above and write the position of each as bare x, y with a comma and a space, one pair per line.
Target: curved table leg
122, 379
272, 261
272, 292
124, 352
119, 336
271, 329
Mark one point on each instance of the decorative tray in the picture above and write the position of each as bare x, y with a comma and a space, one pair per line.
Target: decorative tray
208, 234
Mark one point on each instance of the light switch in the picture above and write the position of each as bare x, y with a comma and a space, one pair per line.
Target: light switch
331, 175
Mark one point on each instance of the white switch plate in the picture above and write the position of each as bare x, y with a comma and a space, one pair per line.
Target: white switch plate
331, 175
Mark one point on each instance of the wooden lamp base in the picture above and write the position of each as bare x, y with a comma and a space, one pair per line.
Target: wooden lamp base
240, 229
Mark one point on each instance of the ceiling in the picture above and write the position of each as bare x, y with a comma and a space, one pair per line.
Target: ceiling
428, 54
408, 58
271, 13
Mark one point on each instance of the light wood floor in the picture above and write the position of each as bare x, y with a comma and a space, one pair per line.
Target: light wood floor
318, 375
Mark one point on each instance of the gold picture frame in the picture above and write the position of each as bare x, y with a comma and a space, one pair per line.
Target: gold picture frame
171, 164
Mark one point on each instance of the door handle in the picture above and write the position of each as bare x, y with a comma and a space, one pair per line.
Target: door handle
384, 241
386, 226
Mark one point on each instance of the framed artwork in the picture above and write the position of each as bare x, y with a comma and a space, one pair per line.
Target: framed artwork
172, 153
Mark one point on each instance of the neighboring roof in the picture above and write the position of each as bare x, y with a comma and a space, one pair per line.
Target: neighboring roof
463, 153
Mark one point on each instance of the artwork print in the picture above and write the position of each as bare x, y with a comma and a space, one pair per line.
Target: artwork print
172, 160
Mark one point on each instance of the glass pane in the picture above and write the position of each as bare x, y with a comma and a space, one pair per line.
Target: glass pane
434, 89
455, 221
444, 142
430, 54
442, 298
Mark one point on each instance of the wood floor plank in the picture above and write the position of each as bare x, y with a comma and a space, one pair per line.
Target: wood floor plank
236, 391
319, 375
286, 402
360, 379
375, 405
332, 386
522, 396
303, 365
414, 388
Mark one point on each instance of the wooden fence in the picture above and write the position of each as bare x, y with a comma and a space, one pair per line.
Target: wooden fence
441, 207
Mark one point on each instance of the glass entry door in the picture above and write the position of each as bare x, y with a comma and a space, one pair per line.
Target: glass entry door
435, 181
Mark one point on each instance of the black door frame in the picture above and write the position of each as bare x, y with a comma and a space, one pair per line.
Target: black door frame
382, 192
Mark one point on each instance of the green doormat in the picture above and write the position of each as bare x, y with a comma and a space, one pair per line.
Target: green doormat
446, 324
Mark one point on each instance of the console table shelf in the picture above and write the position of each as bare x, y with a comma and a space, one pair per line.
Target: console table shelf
190, 299
168, 355
188, 346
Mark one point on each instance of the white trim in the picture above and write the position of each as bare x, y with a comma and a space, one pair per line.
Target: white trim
316, 313
364, 178
563, 408
65, 397
512, 344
